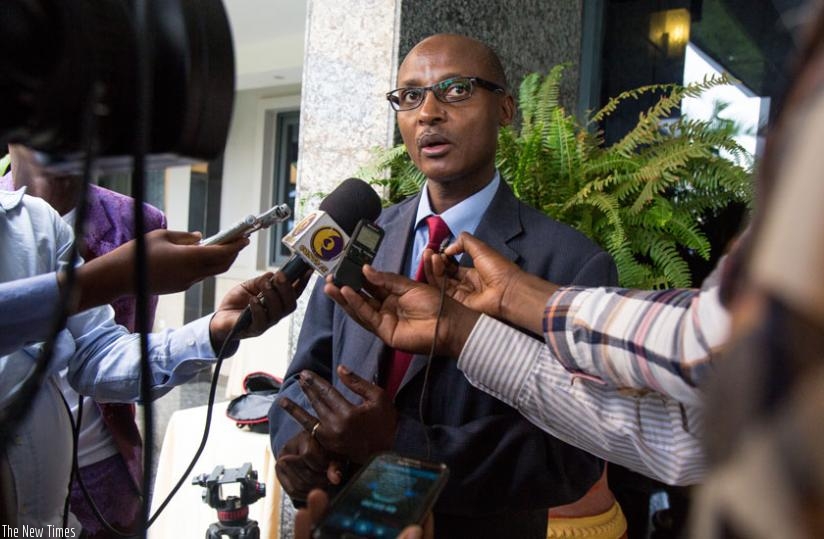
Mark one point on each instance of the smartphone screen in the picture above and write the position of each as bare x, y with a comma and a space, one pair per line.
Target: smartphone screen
389, 493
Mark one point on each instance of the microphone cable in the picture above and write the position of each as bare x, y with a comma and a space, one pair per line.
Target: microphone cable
142, 132
75, 473
209, 406
429, 360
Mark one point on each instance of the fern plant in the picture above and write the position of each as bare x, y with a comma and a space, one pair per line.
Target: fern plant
643, 198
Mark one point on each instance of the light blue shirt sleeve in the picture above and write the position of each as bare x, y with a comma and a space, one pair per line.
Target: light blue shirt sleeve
27, 310
105, 364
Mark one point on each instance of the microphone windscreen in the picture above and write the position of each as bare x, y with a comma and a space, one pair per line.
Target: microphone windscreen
350, 202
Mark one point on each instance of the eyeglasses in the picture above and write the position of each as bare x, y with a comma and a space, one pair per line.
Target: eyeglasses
446, 91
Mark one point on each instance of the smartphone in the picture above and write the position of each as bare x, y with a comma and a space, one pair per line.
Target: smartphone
361, 249
388, 494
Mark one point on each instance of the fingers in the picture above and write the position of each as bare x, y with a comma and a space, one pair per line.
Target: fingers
461, 245
295, 478
304, 418
282, 294
334, 472
222, 256
302, 465
179, 237
367, 390
307, 518
391, 282
326, 400
303, 523
365, 311
410, 532
317, 503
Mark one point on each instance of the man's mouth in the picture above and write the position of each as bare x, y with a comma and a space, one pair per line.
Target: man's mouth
433, 145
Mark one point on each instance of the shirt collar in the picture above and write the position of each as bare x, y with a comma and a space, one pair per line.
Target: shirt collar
10, 199
464, 216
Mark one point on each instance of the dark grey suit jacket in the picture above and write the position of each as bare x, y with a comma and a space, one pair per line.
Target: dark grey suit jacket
501, 466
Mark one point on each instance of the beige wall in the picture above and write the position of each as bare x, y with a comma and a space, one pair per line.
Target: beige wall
246, 189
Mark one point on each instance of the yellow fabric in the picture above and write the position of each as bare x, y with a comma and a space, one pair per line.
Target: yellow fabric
611, 524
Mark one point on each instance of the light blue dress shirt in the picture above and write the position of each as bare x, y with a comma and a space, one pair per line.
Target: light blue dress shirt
102, 357
462, 217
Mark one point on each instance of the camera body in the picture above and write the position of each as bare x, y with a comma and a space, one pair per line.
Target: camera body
72, 70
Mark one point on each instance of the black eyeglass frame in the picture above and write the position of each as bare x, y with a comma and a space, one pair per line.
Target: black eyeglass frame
473, 81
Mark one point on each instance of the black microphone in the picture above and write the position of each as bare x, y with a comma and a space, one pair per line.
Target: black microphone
320, 238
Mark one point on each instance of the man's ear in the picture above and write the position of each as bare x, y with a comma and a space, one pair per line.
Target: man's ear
507, 110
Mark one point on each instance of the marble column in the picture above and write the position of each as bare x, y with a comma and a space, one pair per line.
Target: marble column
350, 62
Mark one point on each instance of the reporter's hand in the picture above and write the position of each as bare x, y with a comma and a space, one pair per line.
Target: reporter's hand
303, 465
495, 286
317, 503
279, 300
403, 313
175, 262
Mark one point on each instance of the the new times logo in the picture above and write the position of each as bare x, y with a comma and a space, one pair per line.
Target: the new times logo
36, 531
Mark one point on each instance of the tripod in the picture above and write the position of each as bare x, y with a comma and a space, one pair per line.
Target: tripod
235, 524
232, 511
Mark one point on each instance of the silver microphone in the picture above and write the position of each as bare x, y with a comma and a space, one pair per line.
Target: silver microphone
249, 225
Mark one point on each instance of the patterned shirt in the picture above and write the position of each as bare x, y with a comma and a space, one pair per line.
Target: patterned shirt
660, 340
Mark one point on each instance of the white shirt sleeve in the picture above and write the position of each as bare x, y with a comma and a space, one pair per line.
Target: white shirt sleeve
644, 431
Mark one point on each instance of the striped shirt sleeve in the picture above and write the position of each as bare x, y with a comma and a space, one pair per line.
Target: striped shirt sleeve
664, 340
644, 431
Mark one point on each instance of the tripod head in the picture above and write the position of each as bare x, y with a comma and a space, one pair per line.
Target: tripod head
232, 511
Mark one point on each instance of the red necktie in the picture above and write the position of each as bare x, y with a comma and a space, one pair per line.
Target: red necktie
438, 231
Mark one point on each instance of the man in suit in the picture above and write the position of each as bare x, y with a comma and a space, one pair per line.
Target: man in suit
504, 472
109, 446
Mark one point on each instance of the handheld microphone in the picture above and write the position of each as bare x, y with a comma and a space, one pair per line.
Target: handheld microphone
250, 224
319, 239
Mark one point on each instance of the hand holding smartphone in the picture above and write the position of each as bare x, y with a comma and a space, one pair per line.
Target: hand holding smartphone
388, 494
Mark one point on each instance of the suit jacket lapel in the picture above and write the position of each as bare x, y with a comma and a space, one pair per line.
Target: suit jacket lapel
364, 356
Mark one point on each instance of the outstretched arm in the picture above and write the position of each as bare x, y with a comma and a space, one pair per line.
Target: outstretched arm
175, 262
105, 363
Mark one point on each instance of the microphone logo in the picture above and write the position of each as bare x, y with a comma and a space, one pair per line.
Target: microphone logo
327, 243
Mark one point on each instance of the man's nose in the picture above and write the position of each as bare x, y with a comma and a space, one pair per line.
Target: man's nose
431, 109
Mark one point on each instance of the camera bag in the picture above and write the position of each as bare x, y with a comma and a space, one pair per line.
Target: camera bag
252, 408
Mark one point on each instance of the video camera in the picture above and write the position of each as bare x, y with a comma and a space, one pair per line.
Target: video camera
64, 60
